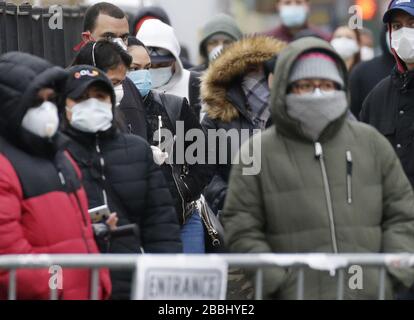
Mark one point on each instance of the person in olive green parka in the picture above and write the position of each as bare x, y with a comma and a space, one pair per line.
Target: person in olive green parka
326, 184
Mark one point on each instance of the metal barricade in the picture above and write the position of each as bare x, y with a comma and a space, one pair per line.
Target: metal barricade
335, 264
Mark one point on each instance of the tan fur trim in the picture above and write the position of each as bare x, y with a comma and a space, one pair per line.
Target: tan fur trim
233, 63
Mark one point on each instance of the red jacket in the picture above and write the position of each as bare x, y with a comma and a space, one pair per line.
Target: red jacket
42, 213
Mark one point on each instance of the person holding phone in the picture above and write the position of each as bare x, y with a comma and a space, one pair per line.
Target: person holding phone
118, 171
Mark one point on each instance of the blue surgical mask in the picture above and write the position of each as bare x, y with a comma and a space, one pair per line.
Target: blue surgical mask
142, 80
293, 16
161, 76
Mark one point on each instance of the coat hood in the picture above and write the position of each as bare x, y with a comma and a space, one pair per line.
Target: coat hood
287, 58
21, 77
230, 67
155, 33
221, 23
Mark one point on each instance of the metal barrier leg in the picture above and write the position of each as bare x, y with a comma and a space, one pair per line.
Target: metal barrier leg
12, 285
301, 284
53, 294
383, 273
258, 288
341, 279
95, 284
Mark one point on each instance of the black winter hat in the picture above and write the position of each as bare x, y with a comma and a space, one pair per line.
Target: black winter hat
81, 77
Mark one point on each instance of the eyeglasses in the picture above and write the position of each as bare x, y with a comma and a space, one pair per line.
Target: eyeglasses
309, 86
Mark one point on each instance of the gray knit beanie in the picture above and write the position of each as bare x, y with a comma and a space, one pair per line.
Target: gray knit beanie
316, 65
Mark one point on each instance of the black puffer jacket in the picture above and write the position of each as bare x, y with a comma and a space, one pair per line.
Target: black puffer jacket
139, 187
186, 181
389, 108
366, 75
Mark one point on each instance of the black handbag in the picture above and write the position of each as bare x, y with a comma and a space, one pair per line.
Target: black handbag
214, 231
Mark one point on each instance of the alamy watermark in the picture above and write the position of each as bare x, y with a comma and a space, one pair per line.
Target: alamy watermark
56, 277
213, 147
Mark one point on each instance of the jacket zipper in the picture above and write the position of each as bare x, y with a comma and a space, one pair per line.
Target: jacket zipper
319, 156
102, 164
349, 176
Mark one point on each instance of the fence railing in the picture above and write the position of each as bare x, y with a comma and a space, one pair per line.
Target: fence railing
335, 264
25, 28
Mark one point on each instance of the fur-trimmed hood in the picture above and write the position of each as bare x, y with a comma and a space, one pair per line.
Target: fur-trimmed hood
231, 65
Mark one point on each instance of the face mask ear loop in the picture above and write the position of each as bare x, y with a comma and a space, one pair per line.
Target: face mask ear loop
93, 54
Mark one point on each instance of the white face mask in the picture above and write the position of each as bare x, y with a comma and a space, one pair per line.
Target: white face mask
91, 116
345, 47
402, 41
119, 94
42, 121
161, 76
293, 15
367, 53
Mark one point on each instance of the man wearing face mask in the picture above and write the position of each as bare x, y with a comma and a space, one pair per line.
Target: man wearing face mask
115, 62
167, 72
294, 15
389, 107
118, 171
105, 21
217, 35
43, 206
326, 184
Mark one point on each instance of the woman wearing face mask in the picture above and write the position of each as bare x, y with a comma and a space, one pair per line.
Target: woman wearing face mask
347, 43
115, 62
118, 171
43, 206
326, 184
164, 111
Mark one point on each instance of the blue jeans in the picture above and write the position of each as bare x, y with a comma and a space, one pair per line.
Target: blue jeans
192, 234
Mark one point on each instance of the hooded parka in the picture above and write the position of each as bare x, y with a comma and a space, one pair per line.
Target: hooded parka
346, 193
43, 206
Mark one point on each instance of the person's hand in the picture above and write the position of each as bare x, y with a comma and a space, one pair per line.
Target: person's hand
112, 221
159, 156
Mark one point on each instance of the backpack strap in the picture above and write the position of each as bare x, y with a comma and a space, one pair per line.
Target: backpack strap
172, 105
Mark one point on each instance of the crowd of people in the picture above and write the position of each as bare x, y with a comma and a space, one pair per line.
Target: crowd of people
86, 165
